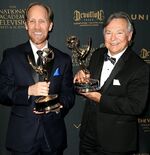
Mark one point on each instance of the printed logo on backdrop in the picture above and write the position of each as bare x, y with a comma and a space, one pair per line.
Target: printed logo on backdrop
145, 55
145, 124
139, 17
89, 18
12, 18
96, 17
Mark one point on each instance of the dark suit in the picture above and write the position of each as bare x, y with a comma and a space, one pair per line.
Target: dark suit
111, 125
15, 76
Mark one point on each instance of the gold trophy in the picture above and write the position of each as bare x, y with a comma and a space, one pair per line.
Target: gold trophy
44, 103
89, 84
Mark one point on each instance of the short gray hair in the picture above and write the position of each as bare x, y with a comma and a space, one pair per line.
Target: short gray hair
117, 15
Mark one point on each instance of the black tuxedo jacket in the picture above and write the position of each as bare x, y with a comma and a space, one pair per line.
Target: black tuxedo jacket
114, 120
15, 76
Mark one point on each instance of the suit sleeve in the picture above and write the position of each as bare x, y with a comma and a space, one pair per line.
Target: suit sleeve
9, 90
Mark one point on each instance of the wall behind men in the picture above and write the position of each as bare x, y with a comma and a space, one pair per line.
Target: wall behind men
83, 19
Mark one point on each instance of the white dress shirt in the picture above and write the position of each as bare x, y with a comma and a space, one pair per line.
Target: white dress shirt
108, 67
35, 49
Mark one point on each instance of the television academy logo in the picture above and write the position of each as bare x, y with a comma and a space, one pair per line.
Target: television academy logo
12, 18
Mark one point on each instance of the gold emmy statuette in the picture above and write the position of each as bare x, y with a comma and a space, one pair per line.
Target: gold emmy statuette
44, 103
89, 84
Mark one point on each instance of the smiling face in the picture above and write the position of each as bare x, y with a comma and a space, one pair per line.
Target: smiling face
117, 35
38, 25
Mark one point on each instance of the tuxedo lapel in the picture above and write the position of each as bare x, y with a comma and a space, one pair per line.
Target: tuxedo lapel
97, 62
119, 65
49, 67
99, 68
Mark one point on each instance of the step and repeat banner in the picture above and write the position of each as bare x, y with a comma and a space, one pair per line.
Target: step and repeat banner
84, 20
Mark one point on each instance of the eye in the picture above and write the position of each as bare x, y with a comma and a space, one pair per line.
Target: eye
107, 33
119, 32
42, 21
31, 21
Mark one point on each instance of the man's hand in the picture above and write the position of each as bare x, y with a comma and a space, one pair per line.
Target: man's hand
95, 96
39, 89
81, 77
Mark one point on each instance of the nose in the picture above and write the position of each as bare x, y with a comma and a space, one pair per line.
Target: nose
113, 36
37, 25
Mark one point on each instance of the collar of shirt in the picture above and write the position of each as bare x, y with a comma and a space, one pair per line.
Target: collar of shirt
35, 49
117, 56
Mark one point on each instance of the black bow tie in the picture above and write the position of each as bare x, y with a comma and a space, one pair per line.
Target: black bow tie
111, 59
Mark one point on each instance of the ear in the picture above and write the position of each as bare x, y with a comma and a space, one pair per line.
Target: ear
130, 36
50, 26
26, 26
